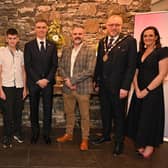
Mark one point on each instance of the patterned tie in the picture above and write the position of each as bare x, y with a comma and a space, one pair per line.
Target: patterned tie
110, 42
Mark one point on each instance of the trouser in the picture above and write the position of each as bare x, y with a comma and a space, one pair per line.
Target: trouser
69, 108
12, 110
46, 93
112, 108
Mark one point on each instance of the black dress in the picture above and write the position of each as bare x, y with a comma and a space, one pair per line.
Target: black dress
145, 120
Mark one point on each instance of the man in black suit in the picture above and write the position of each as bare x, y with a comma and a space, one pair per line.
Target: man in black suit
41, 61
115, 68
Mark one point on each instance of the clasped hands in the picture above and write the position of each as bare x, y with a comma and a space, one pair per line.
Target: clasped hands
141, 93
42, 83
69, 84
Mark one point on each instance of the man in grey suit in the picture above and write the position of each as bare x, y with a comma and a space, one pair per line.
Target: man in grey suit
77, 67
41, 61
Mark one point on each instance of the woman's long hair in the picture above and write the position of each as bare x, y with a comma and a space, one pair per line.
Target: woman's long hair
156, 32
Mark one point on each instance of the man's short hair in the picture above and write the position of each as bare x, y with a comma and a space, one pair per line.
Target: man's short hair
11, 31
77, 26
41, 20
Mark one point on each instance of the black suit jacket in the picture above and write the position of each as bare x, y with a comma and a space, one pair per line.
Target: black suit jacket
118, 71
38, 67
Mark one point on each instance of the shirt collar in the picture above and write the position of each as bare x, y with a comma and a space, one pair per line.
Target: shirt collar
39, 40
77, 48
115, 37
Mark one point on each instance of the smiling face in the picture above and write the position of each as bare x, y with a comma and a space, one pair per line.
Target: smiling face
149, 38
114, 25
12, 40
41, 29
77, 35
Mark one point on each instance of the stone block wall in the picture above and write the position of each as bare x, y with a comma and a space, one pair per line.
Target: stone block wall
21, 14
59, 119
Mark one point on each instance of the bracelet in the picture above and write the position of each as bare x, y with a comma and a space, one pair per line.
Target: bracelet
148, 89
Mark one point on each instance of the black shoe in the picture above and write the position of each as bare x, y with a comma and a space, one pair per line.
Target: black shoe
34, 139
6, 142
101, 140
47, 139
118, 148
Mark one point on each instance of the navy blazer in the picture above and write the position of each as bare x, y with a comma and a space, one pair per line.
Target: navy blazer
38, 67
117, 72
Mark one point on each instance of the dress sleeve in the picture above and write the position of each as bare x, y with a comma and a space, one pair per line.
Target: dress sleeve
163, 53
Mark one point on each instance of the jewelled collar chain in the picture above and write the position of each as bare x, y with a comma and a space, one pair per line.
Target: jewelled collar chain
107, 50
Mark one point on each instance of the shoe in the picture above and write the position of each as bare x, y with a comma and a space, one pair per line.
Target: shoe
64, 138
4, 145
84, 145
118, 148
34, 139
7, 142
101, 140
19, 139
148, 152
47, 139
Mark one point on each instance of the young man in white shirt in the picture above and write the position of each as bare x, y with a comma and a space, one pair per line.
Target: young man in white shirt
12, 88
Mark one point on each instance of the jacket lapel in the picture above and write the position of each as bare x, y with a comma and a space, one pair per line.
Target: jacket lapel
48, 46
68, 60
35, 47
79, 55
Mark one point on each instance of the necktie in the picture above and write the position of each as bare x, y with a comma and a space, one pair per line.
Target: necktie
110, 42
42, 49
43, 56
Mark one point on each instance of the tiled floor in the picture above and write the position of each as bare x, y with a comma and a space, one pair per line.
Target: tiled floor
68, 155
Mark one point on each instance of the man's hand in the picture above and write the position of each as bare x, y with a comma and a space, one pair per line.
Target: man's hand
123, 93
95, 87
69, 84
24, 93
42, 83
2, 95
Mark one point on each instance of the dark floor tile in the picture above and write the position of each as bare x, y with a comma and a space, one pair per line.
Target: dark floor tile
15, 157
63, 158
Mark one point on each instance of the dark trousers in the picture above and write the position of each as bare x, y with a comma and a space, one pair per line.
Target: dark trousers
46, 93
12, 111
112, 108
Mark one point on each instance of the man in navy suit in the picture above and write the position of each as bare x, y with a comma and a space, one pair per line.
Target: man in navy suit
115, 68
41, 62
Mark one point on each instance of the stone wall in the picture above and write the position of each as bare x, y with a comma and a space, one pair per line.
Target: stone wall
21, 14
92, 14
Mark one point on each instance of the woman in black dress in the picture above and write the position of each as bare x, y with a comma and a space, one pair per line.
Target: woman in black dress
145, 120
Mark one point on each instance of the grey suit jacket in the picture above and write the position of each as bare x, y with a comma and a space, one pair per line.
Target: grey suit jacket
83, 68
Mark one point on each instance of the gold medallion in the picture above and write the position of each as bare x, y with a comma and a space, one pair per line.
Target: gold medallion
105, 57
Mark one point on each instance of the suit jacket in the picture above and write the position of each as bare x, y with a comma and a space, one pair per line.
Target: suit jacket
38, 67
83, 68
118, 71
